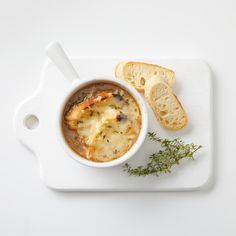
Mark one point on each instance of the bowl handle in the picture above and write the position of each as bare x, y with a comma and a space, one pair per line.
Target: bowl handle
56, 53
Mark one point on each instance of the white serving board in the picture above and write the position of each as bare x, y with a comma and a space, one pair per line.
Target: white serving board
60, 172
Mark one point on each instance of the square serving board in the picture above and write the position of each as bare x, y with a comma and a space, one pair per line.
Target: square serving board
60, 172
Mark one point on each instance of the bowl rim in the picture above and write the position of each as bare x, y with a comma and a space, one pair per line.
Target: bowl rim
80, 83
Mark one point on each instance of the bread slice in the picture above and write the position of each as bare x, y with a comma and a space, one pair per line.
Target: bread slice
165, 104
137, 73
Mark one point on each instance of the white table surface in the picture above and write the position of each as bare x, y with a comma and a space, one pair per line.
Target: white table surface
177, 29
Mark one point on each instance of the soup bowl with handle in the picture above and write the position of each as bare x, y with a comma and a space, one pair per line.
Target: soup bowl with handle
56, 53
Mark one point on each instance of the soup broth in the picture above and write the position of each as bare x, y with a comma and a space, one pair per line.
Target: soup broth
101, 122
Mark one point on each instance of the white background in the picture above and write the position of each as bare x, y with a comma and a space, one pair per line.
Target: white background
176, 29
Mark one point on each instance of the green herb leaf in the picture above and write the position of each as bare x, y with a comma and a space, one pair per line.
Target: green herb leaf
172, 151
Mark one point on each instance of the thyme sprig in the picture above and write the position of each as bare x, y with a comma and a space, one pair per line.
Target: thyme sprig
172, 151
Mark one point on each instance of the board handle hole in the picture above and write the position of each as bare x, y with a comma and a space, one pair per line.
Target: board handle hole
31, 122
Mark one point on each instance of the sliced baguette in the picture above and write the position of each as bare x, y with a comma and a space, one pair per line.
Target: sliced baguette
137, 73
165, 104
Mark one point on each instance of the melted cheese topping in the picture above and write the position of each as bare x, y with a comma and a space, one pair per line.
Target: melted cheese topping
107, 125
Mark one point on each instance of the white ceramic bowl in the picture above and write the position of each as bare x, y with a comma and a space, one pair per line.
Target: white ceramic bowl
78, 84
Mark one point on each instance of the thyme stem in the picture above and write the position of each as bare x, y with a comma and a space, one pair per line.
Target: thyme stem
172, 151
